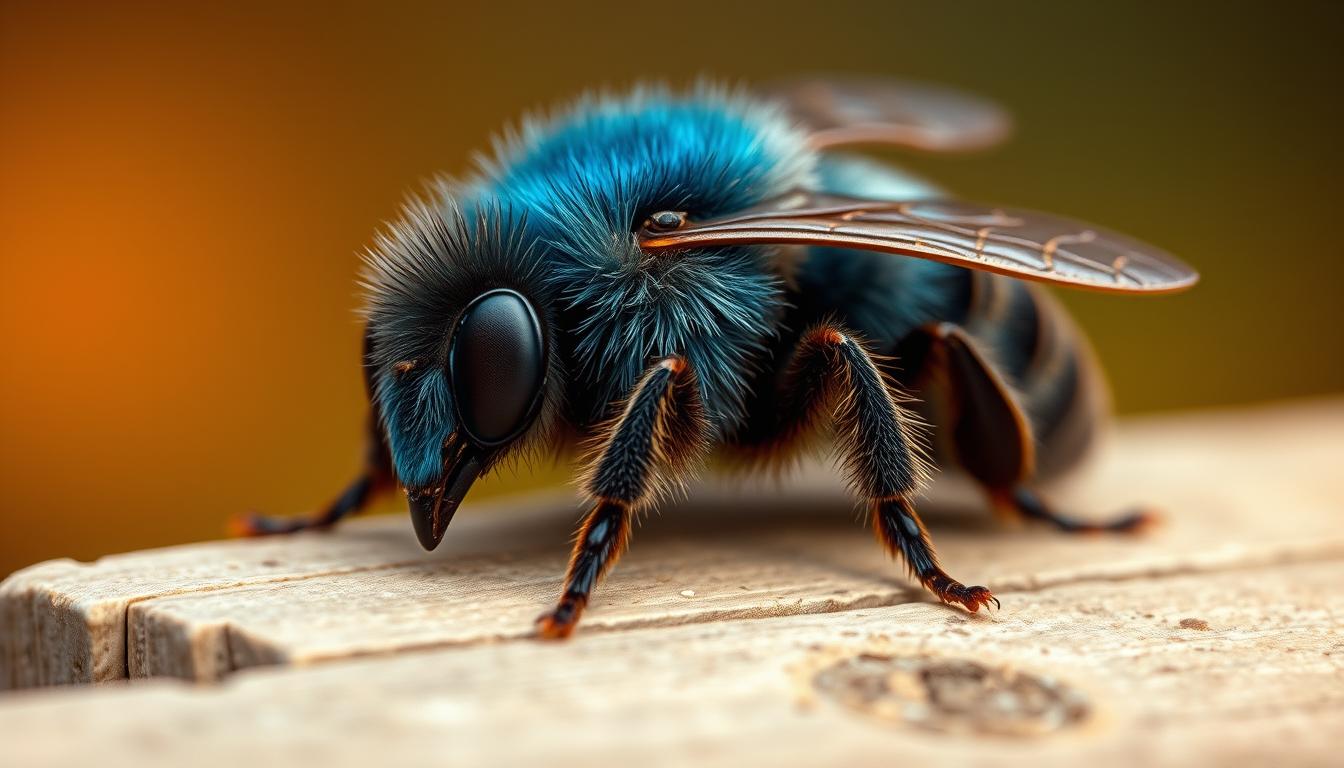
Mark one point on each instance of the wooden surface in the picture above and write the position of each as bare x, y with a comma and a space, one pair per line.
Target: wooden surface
742, 627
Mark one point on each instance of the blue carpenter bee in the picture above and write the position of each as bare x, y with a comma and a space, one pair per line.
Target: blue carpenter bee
659, 275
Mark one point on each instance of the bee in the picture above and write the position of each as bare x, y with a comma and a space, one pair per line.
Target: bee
659, 275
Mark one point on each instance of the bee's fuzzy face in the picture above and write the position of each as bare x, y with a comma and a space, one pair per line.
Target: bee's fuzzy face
421, 275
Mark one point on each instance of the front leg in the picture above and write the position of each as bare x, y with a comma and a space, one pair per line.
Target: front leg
659, 433
831, 369
376, 478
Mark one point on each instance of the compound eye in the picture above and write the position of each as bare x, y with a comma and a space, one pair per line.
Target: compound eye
665, 221
497, 366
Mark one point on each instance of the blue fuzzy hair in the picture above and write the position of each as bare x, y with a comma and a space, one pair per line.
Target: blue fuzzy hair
591, 175
552, 216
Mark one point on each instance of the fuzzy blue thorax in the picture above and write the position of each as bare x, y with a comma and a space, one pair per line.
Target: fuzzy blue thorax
552, 216
587, 180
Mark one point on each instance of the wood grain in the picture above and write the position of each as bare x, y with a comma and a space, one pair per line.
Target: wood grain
1261, 684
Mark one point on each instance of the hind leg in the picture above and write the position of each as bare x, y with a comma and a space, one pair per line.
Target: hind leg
1023, 503
989, 431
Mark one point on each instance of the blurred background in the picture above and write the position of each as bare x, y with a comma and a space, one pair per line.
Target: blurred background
184, 192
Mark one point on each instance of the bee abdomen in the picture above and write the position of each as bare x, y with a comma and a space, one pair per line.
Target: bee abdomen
1037, 348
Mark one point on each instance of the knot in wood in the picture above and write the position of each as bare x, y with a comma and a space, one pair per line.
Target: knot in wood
952, 695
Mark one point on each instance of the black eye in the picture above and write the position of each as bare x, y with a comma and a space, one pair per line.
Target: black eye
496, 366
665, 221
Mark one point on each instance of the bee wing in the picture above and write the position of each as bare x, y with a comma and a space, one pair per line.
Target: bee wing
1023, 244
908, 114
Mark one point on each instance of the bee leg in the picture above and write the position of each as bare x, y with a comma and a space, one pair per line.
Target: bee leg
376, 478
1021, 502
989, 430
659, 433
830, 368
986, 426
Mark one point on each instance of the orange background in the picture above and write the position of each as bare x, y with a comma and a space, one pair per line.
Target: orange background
184, 190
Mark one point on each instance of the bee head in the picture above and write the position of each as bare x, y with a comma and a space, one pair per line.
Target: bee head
459, 351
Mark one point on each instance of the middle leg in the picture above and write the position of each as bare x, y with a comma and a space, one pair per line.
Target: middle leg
831, 368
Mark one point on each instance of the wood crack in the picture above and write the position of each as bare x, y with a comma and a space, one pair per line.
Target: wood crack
264, 652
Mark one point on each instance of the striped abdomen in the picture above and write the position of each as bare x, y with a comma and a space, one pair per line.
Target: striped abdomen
1046, 360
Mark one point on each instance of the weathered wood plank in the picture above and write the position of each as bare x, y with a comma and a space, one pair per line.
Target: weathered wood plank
67, 620
1226, 668
204, 610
